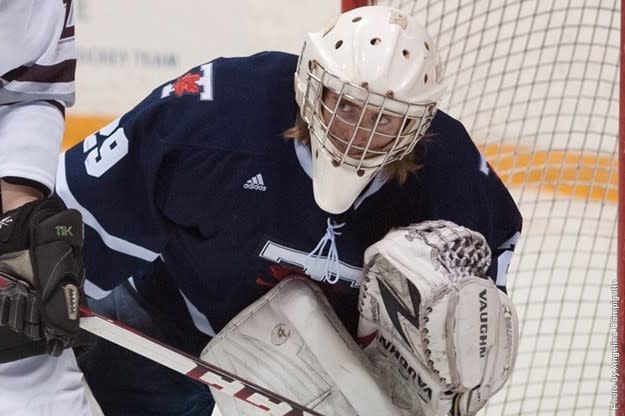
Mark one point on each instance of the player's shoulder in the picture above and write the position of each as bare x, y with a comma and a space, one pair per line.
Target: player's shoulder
445, 125
240, 79
448, 143
256, 84
267, 64
457, 184
453, 166
228, 103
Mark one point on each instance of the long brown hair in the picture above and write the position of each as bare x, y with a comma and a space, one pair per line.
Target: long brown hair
398, 170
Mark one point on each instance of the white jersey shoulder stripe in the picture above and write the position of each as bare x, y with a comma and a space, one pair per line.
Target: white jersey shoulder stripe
58, 88
25, 95
65, 50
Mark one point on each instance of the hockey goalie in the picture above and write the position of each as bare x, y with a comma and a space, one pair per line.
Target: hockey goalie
437, 337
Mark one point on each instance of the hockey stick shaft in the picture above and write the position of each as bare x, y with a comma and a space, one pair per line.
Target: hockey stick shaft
183, 363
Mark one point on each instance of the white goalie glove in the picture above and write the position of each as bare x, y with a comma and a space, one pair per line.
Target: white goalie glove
441, 335
291, 342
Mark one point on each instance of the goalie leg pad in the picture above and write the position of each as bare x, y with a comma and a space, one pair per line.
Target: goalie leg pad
291, 342
439, 332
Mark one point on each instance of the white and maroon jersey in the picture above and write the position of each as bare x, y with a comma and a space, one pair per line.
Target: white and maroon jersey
45, 385
37, 66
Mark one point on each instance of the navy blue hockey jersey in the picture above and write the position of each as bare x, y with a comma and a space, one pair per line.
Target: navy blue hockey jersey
195, 189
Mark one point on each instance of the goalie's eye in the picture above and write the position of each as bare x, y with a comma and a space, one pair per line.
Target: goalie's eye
346, 109
384, 121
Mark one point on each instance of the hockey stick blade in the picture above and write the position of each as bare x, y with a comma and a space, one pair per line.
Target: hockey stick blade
118, 333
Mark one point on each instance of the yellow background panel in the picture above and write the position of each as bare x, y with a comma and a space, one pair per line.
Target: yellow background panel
79, 127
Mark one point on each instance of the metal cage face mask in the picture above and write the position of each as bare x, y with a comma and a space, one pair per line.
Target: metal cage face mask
358, 127
367, 86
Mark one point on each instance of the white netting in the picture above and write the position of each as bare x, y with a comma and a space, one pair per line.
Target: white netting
536, 85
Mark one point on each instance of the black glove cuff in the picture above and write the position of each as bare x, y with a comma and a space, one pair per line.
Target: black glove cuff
15, 346
16, 225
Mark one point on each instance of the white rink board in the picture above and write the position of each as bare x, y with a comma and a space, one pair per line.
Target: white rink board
128, 47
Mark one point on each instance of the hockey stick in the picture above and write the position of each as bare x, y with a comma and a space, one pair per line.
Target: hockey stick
183, 363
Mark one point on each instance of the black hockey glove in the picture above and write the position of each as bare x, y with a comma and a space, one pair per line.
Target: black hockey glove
40, 251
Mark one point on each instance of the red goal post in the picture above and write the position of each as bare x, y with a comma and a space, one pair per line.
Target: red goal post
537, 86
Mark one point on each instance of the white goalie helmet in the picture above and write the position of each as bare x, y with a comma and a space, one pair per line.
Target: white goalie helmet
367, 86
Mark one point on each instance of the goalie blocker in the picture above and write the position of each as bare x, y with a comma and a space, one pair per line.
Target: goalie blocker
440, 334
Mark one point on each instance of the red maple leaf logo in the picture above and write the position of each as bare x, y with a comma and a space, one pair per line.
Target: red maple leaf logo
279, 273
187, 84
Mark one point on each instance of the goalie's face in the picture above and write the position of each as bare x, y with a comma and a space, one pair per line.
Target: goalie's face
354, 133
359, 132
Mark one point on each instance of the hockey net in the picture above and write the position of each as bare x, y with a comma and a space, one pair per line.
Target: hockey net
536, 83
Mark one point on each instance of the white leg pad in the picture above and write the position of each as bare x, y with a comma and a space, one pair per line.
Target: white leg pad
291, 342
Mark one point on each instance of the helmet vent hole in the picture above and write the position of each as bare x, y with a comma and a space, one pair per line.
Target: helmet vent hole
316, 154
356, 19
425, 79
375, 41
338, 44
406, 53
427, 46
311, 65
336, 163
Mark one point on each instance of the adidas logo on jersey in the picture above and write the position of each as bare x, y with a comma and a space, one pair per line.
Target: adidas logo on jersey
256, 183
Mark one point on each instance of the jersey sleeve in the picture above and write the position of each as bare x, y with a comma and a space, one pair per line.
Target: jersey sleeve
36, 84
163, 168
506, 226
465, 189
118, 178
